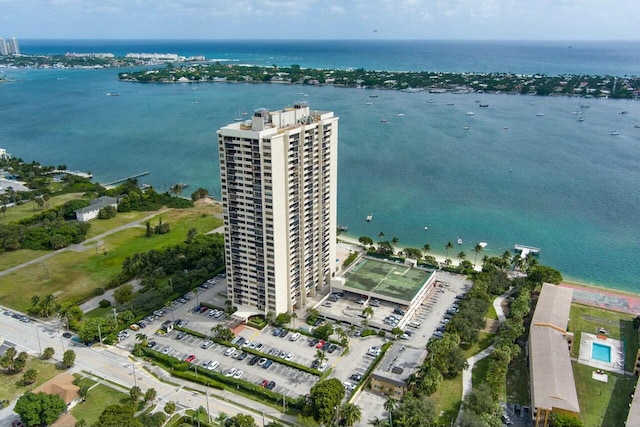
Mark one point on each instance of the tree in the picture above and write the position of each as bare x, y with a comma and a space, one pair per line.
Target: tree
350, 413
479, 400
48, 353
324, 397
562, 420
397, 332
365, 241
191, 234
3, 209
367, 312
118, 415
29, 376
240, 420
390, 404
81, 423
135, 393
282, 319
426, 248
380, 235
83, 392
461, 256
448, 246
69, 358
150, 395
169, 407
222, 332
294, 316
321, 356
37, 409
142, 338
477, 249
123, 294
394, 241
176, 189
414, 411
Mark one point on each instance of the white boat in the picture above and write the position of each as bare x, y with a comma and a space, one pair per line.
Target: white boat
540, 114
614, 133
384, 120
466, 128
369, 218
637, 126
113, 94
581, 119
400, 114
426, 228
368, 103
505, 127
469, 113
430, 101
459, 240
482, 244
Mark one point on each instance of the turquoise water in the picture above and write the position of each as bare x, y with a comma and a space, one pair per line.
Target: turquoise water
601, 353
565, 186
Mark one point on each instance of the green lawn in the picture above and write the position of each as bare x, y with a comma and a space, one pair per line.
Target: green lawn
491, 313
619, 326
99, 226
448, 399
16, 213
11, 386
518, 387
601, 403
485, 340
73, 275
98, 398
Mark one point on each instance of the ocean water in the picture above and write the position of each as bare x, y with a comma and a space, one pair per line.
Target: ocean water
550, 181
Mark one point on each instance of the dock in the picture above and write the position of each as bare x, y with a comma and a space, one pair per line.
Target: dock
526, 250
120, 181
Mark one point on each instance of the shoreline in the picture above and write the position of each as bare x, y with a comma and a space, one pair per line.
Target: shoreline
569, 282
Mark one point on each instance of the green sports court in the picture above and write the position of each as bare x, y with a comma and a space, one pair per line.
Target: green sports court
385, 279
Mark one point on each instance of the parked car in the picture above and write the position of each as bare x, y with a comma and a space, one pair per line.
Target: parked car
267, 364
190, 358
294, 337
270, 385
319, 344
213, 365
332, 348
264, 383
355, 377
206, 344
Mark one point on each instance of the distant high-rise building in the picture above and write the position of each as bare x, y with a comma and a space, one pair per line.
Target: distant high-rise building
4, 50
278, 173
14, 48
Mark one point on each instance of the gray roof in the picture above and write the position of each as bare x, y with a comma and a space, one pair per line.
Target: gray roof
553, 306
98, 203
399, 362
552, 382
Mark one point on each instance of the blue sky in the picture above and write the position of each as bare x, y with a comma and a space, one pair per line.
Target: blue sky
321, 19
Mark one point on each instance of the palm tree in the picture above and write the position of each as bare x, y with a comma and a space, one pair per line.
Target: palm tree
176, 189
376, 422
390, 405
321, 356
142, 338
380, 235
351, 413
222, 417
426, 248
294, 316
461, 256
477, 248
394, 241
448, 246
367, 312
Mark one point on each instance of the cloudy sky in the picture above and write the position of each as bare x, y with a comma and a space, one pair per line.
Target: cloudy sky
321, 19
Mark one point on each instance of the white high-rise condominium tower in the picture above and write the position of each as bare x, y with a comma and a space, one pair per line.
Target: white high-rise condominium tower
14, 49
4, 50
278, 173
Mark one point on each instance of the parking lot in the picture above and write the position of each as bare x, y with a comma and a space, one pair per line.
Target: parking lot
288, 380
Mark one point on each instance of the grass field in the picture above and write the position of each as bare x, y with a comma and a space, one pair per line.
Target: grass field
393, 280
603, 404
73, 275
618, 325
11, 385
448, 399
16, 213
518, 386
98, 398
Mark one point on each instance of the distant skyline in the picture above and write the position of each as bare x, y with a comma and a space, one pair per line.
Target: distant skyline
321, 19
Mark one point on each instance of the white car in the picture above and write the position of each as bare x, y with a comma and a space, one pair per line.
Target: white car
349, 386
229, 351
230, 372
289, 356
322, 367
247, 343
295, 336
206, 364
213, 365
238, 373
166, 350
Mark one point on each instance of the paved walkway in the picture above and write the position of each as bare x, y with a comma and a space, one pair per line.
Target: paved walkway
467, 374
80, 247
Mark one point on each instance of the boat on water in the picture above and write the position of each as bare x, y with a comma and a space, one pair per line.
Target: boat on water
451, 103
369, 218
465, 127
400, 114
113, 94
459, 240
384, 120
373, 96
426, 228
368, 103
244, 113
470, 113
484, 105
637, 125
430, 101
343, 228
581, 119
505, 127
482, 244
624, 112
540, 114
614, 133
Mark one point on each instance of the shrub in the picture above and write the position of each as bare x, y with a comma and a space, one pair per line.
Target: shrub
98, 291
104, 303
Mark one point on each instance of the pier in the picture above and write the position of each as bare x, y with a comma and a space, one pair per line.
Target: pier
526, 250
120, 181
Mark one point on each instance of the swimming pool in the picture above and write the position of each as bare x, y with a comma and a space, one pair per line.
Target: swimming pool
601, 352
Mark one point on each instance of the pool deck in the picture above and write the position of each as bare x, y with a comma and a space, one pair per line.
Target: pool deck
617, 353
